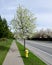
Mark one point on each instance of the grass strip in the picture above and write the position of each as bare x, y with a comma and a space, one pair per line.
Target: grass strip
32, 59
4, 47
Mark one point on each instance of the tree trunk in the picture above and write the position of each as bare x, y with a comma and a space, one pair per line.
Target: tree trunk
24, 44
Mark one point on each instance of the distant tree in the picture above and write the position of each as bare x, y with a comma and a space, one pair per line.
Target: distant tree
4, 30
24, 23
1, 27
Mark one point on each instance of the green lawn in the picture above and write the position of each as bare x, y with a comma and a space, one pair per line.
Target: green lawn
4, 47
32, 59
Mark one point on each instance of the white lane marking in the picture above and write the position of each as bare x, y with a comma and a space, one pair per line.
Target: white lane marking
42, 51
40, 43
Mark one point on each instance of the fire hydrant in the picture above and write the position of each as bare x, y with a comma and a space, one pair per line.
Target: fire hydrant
26, 53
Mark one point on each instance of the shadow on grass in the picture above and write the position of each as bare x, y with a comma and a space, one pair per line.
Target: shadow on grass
3, 48
22, 56
22, 50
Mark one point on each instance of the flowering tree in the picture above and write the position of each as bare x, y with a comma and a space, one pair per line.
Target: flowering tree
23, 23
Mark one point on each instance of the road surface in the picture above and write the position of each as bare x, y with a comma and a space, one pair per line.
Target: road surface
42, 49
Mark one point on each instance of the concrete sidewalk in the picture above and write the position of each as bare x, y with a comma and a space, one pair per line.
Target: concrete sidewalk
13, 57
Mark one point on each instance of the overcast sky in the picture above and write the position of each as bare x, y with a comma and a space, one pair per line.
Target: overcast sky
42, 9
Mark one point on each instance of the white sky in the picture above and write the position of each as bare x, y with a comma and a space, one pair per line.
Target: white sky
42, 9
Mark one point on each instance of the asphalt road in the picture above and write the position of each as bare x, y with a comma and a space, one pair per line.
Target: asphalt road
42, 49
